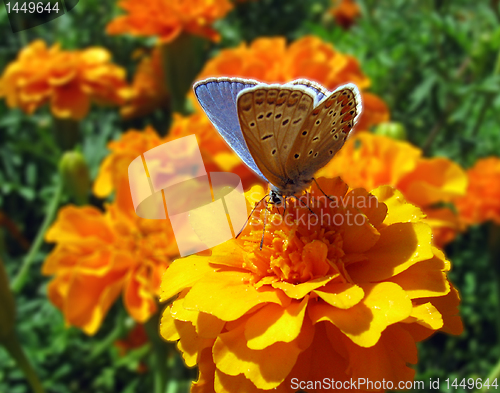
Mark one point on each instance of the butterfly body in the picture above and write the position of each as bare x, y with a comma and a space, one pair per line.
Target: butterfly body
284, 133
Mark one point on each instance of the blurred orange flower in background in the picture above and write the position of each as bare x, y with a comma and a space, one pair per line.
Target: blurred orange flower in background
99, 256
169, 18
345, 12
369, 161
271, 60
113, 171
322, 299
68, 80
147, 91
482, 201
216, 154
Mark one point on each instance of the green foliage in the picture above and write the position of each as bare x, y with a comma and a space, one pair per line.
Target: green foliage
435, 63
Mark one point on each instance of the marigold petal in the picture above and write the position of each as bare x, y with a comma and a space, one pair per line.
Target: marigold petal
398, 209
69, 101
273, 323
424, 279
384, 304
183, 273
266, 368
369, 205
206, 373
427, 315
74, 223
400, 246
89, 298
448, 308
315, 253
168, 328
228, 296
321, 359
138, 297
206, 325
341, 295
387, 359
228, 253
353, 232
298, 291
232, 383
190, 344
433, 180
103, 184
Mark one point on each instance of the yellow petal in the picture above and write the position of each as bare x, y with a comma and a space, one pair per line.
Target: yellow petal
298, 291
206, 325
341, 295
266, 368
384, 304
228, 296
400, 246
273, 323
424, 279
168, 329
183, 273
398, 209
428, 316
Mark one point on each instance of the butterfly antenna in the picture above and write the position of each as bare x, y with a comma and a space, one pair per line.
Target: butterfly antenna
250, 215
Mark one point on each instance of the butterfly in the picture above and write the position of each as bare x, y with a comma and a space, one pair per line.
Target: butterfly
284, 133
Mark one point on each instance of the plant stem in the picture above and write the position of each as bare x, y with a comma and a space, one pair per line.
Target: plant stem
159, 354
21, 277
494, 248
15, 350
495, 374
66, 132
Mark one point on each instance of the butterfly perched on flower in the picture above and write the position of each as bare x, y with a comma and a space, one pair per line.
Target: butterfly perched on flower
284, 133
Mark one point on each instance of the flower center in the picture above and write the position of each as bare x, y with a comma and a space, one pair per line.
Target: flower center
296, 246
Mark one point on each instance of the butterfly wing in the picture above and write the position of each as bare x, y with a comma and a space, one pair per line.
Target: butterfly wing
217, 96
271, 116
319, 91
324, 132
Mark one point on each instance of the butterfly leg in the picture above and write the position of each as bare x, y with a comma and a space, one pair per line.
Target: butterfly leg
250, 215
322, 190
263, 229
306, 205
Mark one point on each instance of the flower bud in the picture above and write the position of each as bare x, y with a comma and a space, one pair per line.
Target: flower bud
75, 175
7, 305
392, 129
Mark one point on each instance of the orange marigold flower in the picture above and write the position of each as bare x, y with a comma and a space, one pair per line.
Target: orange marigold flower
99, 256
147, 91
328, 296
369, 161
113, 172
482, 201
216, 154
345, 12
168, 18
69, 81
271, 60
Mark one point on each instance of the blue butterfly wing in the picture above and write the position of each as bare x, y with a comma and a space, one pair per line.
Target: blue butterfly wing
217, 96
